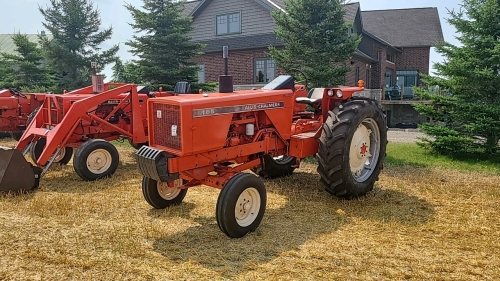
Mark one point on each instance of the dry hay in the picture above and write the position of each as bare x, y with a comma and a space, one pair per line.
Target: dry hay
418, 224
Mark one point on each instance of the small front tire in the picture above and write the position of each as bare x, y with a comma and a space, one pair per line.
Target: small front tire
161, 195
62, 158
241, 205
96, 159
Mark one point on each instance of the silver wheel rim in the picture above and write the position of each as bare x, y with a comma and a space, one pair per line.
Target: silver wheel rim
247, 207
364, 150
169, 192
99, 161
61, 155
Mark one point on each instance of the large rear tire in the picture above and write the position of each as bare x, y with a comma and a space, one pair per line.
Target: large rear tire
241, 205
275, 167
62, 158
352, 148
161, 195
96, 159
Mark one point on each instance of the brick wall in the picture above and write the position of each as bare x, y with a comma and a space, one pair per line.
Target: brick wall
414, 59
240, 65
350, 78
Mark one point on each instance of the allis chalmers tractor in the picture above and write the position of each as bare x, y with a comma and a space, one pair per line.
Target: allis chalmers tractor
212, 139
86, 119
15, 110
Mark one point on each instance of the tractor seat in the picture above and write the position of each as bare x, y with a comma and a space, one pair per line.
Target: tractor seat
182, 88
314, 97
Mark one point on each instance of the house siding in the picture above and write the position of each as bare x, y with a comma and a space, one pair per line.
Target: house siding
414, 59
255, 19
350, 78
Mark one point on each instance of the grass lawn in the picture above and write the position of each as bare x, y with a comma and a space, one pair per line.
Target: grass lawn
429, 218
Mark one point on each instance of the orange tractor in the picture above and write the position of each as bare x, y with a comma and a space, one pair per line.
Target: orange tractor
15, 110
211, 139
86, 119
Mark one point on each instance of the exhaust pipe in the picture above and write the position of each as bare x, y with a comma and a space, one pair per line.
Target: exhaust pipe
17, 175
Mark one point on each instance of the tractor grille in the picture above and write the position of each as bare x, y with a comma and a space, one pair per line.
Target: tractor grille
167, 125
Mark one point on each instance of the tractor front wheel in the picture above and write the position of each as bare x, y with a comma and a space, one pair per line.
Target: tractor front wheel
96, 159
352, 148
62, 157
275, 167
241, 205
161, 195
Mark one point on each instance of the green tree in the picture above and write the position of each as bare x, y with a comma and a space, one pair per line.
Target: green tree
162, 43
26, 69
74, 25
467, 120
127, 72
316, 40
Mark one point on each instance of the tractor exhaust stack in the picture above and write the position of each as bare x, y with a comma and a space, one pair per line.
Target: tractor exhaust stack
17, 174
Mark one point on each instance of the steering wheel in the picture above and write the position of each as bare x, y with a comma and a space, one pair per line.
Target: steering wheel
303, 75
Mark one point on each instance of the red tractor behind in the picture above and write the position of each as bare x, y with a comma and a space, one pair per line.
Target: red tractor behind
15, 110
212, 139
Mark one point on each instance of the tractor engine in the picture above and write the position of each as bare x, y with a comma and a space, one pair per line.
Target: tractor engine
241, 130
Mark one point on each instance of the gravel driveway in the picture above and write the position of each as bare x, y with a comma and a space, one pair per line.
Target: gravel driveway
404, 135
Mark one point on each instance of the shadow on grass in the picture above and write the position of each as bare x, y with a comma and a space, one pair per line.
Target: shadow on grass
308, 213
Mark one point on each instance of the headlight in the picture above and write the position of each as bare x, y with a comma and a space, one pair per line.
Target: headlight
330, 93
339, 93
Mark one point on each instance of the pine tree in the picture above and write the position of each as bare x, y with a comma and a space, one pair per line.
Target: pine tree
163, 47
25, 70
316, 40
467, 120
127, 72
74, 25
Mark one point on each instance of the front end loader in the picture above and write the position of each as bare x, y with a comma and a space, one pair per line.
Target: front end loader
216, 138
85, 120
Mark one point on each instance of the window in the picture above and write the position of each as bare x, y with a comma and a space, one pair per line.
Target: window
407, 78
390, 57
229, 23
201, 73
356, 76
264, 70
388, 78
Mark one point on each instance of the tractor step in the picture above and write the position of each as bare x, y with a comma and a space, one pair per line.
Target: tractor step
16, 173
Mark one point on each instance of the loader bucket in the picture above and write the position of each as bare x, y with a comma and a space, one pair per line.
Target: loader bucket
17, 174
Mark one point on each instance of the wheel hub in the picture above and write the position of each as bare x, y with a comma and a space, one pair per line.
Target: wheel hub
60, 155
247, 206
364, 149
169, 190
99, 161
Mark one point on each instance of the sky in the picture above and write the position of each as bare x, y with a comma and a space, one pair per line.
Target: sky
24, 16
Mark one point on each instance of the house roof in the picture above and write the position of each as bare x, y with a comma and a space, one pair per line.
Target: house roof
8, 46
416, 27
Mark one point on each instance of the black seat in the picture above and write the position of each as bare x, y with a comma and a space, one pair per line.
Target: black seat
314, 97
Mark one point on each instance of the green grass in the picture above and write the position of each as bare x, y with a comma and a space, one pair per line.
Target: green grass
411, 154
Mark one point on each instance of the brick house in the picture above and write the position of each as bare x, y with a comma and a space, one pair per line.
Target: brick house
395, 44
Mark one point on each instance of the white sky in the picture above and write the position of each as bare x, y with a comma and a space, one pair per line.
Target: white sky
23, 16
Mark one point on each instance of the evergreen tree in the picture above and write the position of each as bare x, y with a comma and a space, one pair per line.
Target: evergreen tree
25, 70
316, 40
467, 120
162, 43
74, 25
127, 72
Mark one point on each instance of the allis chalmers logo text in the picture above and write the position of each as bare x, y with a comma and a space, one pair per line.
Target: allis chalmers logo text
237, 108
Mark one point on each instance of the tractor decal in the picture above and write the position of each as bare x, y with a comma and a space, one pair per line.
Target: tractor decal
237, 108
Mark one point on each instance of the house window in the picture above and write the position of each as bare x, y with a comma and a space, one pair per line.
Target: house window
264, 70
388, 78
367, 79
390, 58
201, 73
356, 76
407, 78
228, 24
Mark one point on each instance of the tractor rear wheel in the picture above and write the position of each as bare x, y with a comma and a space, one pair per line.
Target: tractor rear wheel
352, 148
161, 195
96, 159
241, 205
275, 167
62, 158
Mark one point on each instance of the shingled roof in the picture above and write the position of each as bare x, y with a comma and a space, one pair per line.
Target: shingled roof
417, 27
8, 46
